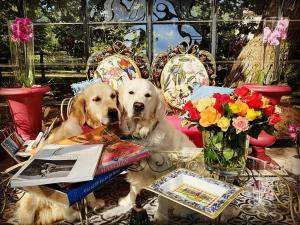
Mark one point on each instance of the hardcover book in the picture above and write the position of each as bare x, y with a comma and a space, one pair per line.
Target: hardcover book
69, 196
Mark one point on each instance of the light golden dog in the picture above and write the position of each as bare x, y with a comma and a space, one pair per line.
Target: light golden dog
144, 112
95, 106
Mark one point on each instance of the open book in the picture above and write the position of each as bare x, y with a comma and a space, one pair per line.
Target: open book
58, 164
117, 153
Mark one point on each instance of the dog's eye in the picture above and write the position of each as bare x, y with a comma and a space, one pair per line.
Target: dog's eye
147, 95
131, 92
97, 99
112, 96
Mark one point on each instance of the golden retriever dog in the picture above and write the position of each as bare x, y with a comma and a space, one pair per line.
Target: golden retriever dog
144, 111
95, 106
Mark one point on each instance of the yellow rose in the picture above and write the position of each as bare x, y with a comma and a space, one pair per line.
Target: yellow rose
223, 123
252, 114
204, 103
265, 102
209, 116
239, 107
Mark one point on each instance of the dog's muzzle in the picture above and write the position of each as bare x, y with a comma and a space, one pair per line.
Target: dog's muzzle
138, 108
113, 115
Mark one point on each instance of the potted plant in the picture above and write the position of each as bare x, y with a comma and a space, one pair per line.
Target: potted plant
294, 133
23, 97
225, 121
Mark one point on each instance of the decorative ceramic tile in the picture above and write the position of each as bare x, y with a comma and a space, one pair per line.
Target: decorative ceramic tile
204, 195
116, 69
178, 77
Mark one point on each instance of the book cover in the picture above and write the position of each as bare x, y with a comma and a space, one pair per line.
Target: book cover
76, 192
59, 163
119, 154
12, 144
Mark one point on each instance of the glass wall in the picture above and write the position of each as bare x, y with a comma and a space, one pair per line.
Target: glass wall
68, 31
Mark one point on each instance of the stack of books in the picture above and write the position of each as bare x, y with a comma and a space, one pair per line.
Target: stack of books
71, 169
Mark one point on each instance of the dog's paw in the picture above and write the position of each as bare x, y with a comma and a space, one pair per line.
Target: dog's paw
160, 219
97, 204
144, 131
125, 201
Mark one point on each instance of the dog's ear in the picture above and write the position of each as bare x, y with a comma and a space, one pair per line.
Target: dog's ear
161, 106
78, 110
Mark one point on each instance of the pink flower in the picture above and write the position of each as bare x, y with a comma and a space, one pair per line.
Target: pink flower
22, 30
267, 33
282, 26
241, 124
273, 38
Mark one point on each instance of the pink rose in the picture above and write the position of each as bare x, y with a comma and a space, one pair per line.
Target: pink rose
241, 124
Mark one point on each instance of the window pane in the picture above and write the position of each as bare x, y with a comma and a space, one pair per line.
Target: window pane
232, 37
240, 9
9, 9
132, 36
168, 36
44, 11
177, 10
116, 10
62, 46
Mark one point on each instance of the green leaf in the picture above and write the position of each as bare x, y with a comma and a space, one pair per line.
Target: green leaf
269, 129
228, 153
184, 123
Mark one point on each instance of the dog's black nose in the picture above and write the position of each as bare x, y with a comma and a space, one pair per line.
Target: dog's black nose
112, 113
138, 106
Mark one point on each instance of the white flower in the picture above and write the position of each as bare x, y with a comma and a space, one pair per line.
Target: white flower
278, 109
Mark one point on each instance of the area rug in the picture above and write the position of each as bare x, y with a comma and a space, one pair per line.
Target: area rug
250, 207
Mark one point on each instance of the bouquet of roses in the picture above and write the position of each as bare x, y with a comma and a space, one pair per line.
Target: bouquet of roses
226, 120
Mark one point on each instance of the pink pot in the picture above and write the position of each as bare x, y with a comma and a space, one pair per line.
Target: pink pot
274, 93
25, 106
258, 145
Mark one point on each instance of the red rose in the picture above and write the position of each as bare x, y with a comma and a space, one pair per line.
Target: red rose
274, 118
242, 91
254, 101
221, 99
193, 113
269, 111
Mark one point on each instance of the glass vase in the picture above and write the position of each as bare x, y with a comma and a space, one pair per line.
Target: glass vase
225, 153
22, 59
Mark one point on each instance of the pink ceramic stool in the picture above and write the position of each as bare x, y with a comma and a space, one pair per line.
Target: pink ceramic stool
193, 133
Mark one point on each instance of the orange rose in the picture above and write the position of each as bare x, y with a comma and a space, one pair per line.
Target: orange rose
239, 107
209, 116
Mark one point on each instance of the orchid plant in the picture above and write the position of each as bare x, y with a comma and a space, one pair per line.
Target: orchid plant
294, 133
273, 38
21, 31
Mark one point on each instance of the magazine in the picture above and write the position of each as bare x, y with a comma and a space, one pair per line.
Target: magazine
14, 146
119, 154
59, 163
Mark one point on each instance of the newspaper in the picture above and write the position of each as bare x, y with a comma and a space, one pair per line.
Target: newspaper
58, 164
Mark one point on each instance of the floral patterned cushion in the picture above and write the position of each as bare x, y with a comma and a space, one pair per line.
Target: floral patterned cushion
115, 69
178, 77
